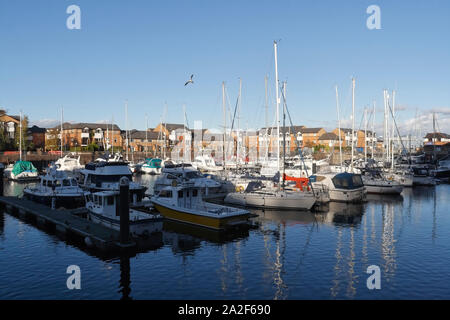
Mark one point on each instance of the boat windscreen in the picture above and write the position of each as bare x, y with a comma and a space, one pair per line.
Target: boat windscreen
347, 181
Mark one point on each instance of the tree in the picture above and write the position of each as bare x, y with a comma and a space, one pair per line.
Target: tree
51, 139
3, 142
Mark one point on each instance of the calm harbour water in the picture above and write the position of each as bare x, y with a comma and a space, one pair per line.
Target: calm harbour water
287, 255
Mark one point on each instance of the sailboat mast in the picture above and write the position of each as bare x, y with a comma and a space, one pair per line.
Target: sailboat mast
284, 129
238, 145
434, 136
164, 119
365, 134
339, 127
184, 133
20, 137
126, 126
62, 119
146, 136
385, 128
393, 131
224, 126
353, 122
266, 138
112, 136
373, 129
278, 104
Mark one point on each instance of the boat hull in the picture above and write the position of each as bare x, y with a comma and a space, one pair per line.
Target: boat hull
350, 196
396, 189
68, 202
424, 181
270, 202
149, 170
181, 215
137, 228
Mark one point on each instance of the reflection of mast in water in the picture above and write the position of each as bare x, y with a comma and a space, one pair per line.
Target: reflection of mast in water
237, 257
125, 278
224, 268
351, 290
268, 256
364, 245
2, 222
388, 240
433, 230
373, 234
337, 268
278, 265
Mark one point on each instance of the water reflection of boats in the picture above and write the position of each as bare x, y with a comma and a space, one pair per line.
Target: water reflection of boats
286, 216
384, 198
197, 232
14, 188
423, 192
340, 213
2, 222
335, 213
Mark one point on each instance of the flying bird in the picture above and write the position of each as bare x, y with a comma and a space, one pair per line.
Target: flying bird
190, 80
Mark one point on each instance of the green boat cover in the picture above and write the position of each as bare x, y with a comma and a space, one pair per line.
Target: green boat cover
22, 166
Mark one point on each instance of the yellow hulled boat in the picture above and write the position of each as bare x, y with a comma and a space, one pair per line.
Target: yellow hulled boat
184, 203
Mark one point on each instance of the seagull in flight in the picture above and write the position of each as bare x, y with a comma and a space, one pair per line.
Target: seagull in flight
190, 80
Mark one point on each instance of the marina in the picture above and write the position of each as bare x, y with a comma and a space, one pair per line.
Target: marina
232, 151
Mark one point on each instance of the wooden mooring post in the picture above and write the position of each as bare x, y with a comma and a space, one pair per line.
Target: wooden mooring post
124, 207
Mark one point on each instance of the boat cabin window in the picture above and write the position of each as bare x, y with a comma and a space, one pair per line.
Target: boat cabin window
74, 182
66, 183
194, 192
165, 194
192, 175
347, 181
357, 181
57, 183
171, 176
110, 201
180, 194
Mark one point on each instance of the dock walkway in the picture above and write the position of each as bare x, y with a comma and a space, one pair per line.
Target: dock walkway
66, 221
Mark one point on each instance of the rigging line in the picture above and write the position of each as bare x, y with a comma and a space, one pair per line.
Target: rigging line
396, 127
295, 140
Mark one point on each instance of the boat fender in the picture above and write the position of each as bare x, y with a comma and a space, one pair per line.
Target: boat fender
174, 183
239, 188
88, 242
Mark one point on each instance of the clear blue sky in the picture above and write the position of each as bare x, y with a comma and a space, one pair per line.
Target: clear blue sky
144, 51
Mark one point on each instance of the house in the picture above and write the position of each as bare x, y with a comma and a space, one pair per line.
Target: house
36, 136
145, 141
9, 125
437, 138
267, 140
81, 135
310, 136
329, 139
174, 133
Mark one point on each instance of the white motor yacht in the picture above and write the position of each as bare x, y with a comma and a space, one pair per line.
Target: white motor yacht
103, 208
105, 176
69, 163
342, 187
58, 186
186, 172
